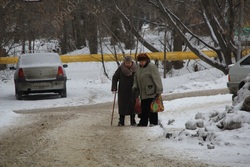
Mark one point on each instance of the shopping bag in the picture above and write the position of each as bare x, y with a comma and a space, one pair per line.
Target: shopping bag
138, 105
157, 104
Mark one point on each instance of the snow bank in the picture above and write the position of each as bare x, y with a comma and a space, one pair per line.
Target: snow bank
7, 117
209, 127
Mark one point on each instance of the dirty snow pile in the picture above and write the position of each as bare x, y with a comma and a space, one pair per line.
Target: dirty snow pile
210, 128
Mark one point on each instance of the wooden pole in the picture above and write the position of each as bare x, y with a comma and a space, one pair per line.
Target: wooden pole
112, 115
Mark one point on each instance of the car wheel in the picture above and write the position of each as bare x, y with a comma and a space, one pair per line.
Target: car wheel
63, 93
241, 85
18, 94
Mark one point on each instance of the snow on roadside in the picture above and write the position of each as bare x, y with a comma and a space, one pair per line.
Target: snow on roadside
208, 128
7, 117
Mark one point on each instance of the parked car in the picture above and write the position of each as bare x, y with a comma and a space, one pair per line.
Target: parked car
237, 73
40, 73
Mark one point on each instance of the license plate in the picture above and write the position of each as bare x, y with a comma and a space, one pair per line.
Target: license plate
41, 84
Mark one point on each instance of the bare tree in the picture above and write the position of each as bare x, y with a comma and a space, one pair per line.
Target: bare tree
219, 18
75, 23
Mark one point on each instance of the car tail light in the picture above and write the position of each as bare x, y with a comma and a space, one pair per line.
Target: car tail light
60, 71
21, 74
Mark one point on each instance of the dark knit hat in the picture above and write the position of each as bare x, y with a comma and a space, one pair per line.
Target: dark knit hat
128, 59
142, 57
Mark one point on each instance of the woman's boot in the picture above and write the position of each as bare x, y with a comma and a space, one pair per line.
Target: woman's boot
132, 120
121, 120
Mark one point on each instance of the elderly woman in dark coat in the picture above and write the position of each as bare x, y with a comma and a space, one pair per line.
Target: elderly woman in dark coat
125, 76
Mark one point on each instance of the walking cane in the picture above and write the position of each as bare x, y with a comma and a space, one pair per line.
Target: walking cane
113, 109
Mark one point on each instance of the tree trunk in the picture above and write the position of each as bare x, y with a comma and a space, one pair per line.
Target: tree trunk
115, 29
177, 47
78, 31
91, 33
23, 45
64, 39
129, 40
2, 54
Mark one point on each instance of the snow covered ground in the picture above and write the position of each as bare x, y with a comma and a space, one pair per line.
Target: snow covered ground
87, 85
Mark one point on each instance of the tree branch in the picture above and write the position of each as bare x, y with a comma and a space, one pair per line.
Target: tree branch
198, 52
136, 34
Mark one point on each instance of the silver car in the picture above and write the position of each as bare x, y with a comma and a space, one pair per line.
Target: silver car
40, 73
237, 73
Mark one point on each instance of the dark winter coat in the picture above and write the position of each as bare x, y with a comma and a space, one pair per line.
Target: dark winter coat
126, 98
148, 81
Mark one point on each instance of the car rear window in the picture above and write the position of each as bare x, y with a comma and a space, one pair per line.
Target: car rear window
246, 61
39, 59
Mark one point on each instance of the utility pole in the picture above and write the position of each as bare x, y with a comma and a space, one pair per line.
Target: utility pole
165, 56
240, 29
